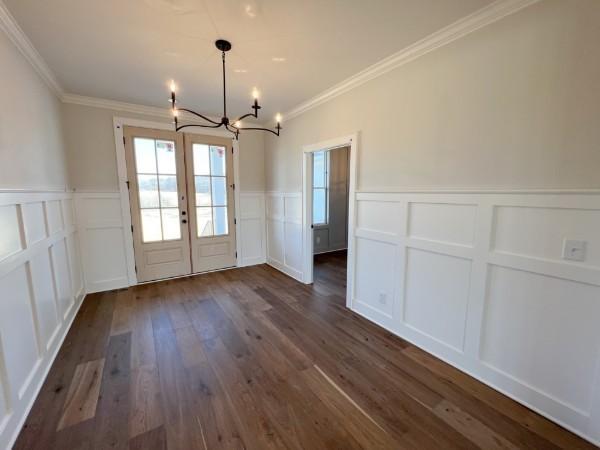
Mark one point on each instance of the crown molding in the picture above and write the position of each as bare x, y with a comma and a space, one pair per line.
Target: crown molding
9, 25
481, 18
131, 108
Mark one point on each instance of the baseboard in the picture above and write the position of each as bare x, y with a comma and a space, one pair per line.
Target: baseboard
289, 271
107, 285
254, 261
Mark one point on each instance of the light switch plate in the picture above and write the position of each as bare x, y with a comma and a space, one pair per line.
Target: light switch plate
574, 250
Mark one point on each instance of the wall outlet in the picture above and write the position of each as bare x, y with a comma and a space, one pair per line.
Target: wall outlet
574, 250
383, 298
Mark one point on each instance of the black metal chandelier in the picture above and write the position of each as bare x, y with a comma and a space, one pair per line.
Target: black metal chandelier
234, 126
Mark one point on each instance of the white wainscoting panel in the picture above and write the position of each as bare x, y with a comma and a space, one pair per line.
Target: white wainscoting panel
253, 238
478, 279
103, 244
284, 231
100, 225
41, 290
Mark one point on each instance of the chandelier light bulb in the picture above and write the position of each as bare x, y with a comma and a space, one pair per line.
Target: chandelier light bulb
238, 124
255, 94
173, 86
278, 118
175, 112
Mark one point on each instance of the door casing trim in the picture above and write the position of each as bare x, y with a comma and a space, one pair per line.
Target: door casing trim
118, 124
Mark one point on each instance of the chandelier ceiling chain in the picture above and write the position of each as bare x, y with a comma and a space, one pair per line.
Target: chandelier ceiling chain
232, 126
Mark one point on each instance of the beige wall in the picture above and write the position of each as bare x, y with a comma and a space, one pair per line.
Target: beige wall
32, 152
515, 104
91, 149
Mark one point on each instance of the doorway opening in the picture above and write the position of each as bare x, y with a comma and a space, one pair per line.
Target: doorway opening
330, 190
329, 176
180, 189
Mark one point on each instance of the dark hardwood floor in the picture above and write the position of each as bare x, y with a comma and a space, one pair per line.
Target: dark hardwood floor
249, 358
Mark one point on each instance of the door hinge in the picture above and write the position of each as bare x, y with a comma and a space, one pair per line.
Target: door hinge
233, 186
234, 221
236, 254
123, 140
127, 183
135, 269
132, 228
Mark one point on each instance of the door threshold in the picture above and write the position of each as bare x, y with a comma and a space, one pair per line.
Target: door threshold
185, 276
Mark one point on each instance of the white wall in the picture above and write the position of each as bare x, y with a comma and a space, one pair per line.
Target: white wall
90, 143
468, 271
41, 285
93, 166
41, 289
479, 280
32, 151
284, 232
511, 105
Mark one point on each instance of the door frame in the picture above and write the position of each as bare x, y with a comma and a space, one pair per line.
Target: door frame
118, 124
307, 230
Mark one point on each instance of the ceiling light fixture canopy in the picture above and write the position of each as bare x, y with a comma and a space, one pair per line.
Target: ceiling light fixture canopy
234, 126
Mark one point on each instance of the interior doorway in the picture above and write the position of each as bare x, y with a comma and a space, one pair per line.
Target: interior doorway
329, 177
181, 202
330, 189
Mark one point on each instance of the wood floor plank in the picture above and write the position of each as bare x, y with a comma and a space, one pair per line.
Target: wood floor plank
155, 439
112, 414
145, 400
252, 359
123, 313
189, 346
82, 396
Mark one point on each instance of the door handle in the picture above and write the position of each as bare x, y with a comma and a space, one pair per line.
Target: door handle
184, 221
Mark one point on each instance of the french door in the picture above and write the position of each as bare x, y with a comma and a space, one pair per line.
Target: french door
181, 199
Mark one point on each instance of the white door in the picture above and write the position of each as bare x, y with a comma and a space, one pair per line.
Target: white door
158, 199
209, 166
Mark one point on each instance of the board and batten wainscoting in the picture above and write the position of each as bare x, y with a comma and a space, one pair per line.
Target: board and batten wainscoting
284, 232
107, 253
477, 278
42, 288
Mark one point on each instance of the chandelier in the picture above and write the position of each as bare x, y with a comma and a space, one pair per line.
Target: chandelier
234, 126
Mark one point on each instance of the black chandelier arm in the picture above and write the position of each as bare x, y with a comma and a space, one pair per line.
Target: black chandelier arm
198, 115
244, 116
276, 133
180, 127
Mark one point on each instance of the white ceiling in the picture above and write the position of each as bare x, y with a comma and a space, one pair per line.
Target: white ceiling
127, 50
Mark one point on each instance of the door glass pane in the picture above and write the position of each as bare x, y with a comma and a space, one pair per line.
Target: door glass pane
217, 161
319, 206
151, 229
157, 189
220, 220
219, 191
203, 197
201, 164
319, 169
168, 191
145, 157
148, 191
204, 218
165, 153
170, 224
